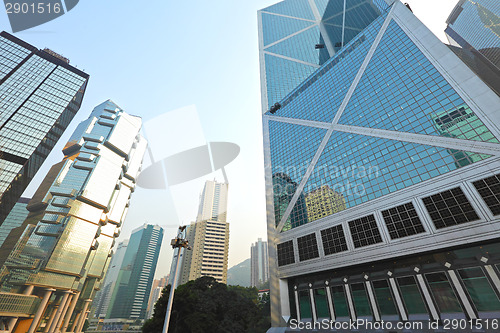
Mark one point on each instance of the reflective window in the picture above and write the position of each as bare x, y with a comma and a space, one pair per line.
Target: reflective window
443, 293
360, 299
305, 304
321, 302
384, 297
340, 305
489, 189
479, 289
449, 208
411, 295
402, 221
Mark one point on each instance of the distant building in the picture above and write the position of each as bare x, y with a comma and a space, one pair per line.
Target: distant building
130, 296
208, 237
39, 96
103, 297
156, 290
259, 263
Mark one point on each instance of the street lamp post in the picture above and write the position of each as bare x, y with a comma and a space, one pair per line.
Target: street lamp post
177, 243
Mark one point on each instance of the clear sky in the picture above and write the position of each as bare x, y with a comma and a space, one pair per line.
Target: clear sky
156, 56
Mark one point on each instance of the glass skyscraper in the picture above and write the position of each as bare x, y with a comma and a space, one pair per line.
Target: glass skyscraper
40, 94
51, 275
474, 34
383, 185
130, 295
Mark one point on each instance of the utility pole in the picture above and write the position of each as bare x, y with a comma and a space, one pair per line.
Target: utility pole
177, 243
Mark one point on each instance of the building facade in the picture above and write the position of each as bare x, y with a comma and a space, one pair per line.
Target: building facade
208, 237
130, 296
15, 218
103, 296
40, 94
402, 128
54, 270
259, 264
156, 290
474, 34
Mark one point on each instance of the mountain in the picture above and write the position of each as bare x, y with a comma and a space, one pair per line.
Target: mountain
239, 275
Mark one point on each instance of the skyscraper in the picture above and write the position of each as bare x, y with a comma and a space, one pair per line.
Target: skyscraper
130, 295
474, 34
40, 94
15, 218
400, 127
54, 270
156, 290
103, 297
208, 237
259, 263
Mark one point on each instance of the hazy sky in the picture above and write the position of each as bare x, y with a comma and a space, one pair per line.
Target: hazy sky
157, 56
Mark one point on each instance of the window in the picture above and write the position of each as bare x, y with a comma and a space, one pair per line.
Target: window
489, 189
384, 298
285, 253
482, 294
321, 302
450, 208
340, 305
333, 240
402, 221
411, 295
360, 299
308, 247
305, 304
364, 231
443, 293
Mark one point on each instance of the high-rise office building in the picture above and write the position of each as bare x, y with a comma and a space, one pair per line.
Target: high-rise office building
40, 94
54, 270
130, 296
156, 290
103, 296
259, 263
208, 237
474, 34
399, 126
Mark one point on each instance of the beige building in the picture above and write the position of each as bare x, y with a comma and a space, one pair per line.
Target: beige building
208, 236
323, 202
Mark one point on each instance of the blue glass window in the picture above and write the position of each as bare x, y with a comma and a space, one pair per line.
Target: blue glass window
277, 27
297, 8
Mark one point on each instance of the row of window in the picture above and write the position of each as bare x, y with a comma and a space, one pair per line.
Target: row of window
376, 299
447, 208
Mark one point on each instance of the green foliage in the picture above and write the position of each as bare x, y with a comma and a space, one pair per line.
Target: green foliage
204, 305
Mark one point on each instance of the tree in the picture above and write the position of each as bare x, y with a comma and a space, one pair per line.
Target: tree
204, 305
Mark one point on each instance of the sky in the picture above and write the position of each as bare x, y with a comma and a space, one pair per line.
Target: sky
154, 57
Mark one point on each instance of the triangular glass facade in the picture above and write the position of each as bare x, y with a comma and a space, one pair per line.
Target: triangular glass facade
401, 90
281, 27
354, 169
329, 85
288, 167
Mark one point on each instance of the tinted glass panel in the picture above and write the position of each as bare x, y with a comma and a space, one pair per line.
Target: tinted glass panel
340, 304
321, 300
308, 247
384, 298
360, 299
402, 221
333, 240
443, 293
285, 253
364, 231
305, 304
480, 290
411, 295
